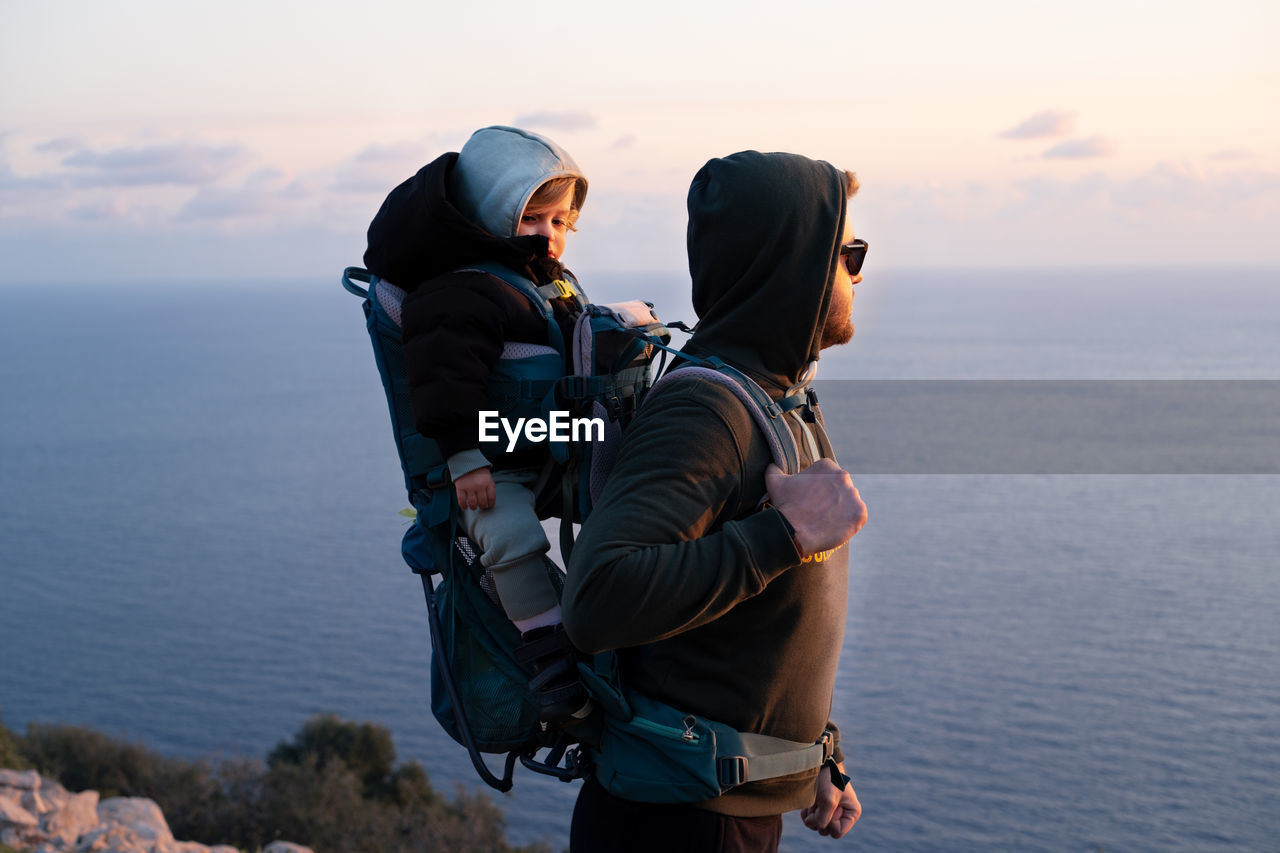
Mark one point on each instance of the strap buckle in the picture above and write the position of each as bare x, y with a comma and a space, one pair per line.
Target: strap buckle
563, 288
573, 387
731, 771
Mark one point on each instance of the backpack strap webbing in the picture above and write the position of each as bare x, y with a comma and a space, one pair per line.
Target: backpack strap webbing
764, 410
752, 757
539, 296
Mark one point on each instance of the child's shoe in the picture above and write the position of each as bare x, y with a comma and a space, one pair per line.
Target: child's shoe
561, 697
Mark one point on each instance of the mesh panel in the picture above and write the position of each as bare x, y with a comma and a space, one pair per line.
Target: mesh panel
490, 587
467, 549
603, 453
582, 346
477, 646
390, 298
515, 349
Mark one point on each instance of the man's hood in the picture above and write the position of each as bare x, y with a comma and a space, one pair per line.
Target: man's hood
764, 237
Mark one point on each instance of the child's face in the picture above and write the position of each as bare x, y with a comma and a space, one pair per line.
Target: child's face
551, 221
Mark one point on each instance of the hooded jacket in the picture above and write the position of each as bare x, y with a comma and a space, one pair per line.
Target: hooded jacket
455, 324
707, 598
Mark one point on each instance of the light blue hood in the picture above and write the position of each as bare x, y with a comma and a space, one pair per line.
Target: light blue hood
500, 168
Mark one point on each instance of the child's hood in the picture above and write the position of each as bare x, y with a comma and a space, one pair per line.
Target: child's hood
499, 169
422, 230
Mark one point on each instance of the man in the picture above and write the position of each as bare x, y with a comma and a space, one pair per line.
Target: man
733, 612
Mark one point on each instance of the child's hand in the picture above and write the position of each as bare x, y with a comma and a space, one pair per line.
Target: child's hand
475, 489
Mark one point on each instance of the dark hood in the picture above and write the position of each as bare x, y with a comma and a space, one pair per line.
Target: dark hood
419, 234
764, 239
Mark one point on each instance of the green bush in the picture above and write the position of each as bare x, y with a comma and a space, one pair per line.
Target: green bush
334, 787
362, 748
10, 757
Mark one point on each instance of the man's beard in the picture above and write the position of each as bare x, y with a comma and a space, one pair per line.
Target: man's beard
836, 334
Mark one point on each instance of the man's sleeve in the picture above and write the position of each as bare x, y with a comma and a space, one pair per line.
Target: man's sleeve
658, 555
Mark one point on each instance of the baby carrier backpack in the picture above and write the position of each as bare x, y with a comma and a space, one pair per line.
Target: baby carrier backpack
637, 748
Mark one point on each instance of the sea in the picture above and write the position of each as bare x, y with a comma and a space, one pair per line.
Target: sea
199, 537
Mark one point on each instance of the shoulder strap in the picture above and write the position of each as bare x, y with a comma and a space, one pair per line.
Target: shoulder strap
767, 413
539, 295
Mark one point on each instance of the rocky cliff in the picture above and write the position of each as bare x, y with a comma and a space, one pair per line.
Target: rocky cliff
41, 816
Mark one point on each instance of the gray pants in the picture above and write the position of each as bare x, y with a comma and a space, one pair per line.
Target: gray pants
514, 545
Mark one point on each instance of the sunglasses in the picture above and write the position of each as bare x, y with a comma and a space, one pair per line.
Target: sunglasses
853, 255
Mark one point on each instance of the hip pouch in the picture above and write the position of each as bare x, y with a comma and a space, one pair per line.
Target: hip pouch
651, 752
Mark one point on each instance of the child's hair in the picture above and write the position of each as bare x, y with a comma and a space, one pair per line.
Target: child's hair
551, 192
850, 184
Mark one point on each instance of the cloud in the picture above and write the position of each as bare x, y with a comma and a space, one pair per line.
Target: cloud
171, 163
61, 145
263, 193
378, 168
1045, 125
1166, 189
1094, 146
623, 142
574, 120
14, 184
113, 210
1232, 154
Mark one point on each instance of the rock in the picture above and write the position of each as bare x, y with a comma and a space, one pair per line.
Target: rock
113, 839
27, 781
12, 814
137, 814
285, 847
34, 803
38, 815
78, 815
52, 791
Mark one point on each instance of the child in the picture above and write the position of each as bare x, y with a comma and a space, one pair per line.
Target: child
509, 196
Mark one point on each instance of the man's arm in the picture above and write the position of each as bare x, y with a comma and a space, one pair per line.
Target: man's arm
657, 546
647, 549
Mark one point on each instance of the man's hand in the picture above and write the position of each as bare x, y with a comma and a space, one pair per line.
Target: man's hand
820, 502
475, 489
834, 812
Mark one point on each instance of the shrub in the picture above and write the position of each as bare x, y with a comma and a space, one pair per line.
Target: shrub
334, 787
10, 757
82, 758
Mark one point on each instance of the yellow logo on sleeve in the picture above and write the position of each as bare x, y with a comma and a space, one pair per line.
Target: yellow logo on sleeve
821, 556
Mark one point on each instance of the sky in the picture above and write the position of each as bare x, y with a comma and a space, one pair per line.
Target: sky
215, 140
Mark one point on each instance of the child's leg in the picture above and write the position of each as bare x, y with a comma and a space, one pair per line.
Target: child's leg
514, 547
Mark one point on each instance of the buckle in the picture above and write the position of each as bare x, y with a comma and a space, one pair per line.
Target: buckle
810, 406
731, 770
563, 288
828, 746
438, 477
573, 387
